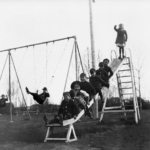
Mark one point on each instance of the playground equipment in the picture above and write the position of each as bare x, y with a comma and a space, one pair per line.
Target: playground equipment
30, 73
123, 71
69, 122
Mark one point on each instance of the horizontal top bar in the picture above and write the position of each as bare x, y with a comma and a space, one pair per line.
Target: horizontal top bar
38, 43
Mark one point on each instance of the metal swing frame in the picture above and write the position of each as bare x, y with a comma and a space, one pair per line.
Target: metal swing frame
32, 45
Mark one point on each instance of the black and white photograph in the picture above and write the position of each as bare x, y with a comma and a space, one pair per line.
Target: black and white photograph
74, 75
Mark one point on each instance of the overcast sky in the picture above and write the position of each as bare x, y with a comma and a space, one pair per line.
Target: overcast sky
29, 21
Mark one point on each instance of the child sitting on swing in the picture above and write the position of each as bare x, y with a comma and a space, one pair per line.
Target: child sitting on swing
40, 98
67, 110
3, 101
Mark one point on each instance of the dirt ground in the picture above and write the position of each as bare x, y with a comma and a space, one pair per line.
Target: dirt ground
114, 133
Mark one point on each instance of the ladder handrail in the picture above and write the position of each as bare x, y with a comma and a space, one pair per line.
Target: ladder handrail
111, 54
131, 63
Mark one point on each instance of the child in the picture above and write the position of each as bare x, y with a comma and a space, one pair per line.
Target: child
101, 72
96, 82
121, 39
40, 98
107, 69
80, 97
86, 86
3, 101
67, 110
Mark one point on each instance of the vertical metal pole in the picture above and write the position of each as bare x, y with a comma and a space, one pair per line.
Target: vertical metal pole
76, 60
92, 35
69, 66
20, 86
10, 88
93, 53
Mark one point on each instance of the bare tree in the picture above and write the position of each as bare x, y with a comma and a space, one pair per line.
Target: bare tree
139, 71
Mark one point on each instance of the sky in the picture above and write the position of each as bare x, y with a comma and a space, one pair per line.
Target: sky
26, 22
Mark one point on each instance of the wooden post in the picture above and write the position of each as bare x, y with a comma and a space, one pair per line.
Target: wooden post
93, 53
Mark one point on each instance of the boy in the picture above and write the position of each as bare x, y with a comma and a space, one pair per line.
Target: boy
40, 98
102, 74
86, 86
96, 82
80, 97
67, 110
3, 101
107, 69
121, 39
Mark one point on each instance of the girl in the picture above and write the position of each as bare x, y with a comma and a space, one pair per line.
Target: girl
121, 39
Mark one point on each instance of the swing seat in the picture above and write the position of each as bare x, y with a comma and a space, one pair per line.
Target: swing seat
69, 122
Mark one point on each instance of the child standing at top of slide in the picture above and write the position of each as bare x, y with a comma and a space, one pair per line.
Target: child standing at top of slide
121, 39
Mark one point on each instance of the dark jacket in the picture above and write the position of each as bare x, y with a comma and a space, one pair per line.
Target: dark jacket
102, 74
43, 95
109, 71
3, 102
96, 81
87, 87
68, 107
121, 35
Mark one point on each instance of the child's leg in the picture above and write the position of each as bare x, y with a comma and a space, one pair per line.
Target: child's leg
36, 97
45, 119
123, 52
60, 118
87, 100
101, 95
119, 52
88, 113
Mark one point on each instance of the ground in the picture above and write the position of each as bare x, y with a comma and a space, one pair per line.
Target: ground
114, 133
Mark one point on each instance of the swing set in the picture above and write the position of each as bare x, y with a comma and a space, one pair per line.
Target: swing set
75, 51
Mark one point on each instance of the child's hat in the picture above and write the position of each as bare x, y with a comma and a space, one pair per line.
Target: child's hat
45, 89
73, 84
106, 59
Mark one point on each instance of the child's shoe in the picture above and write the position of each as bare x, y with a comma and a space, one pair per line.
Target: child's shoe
27, 90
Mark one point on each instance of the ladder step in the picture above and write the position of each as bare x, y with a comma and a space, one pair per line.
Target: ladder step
123, 76
129, 106
127, 82
117, 111
125, 88
115, 107
126, 64
126, 93
124, 70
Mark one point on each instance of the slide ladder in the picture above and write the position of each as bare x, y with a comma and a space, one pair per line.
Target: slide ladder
123, 71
